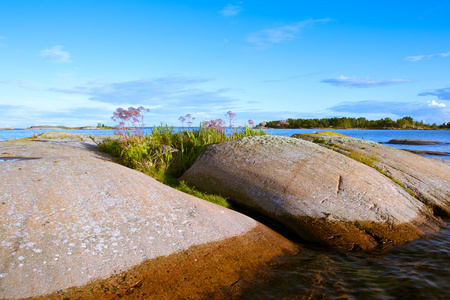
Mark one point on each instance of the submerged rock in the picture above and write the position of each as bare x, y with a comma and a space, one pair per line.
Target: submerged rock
413, 142
75, 225
428, 179
322, 195
427, 152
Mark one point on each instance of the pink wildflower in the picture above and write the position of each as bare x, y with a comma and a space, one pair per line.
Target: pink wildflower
190, 119
129, 118
231, 115
182, 119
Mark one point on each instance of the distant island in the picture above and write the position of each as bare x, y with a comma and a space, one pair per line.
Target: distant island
100, 126
347, 123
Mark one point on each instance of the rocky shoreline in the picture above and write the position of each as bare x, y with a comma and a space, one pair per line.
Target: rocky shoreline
77, 225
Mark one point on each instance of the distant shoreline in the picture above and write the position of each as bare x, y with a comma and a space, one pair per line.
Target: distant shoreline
48, 127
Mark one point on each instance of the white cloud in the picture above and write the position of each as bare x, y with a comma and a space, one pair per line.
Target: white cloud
56, 55
434, 103
231, 10
362, 82
420, 57
267, 37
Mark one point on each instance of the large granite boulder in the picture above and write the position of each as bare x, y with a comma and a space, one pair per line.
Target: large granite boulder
322, 195
75, 225
428, 179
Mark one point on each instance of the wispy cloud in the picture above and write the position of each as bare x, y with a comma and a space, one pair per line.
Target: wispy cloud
442, 94
294, 77
70, 113
231, 10
417, 110
267, 37
167, 98
362, 82
56, 54
421, 57
28, 85
372, 106
166, 92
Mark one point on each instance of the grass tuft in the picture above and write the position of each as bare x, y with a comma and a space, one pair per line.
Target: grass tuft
166, 154
361, 157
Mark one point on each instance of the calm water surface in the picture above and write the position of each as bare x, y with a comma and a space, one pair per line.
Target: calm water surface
416, 270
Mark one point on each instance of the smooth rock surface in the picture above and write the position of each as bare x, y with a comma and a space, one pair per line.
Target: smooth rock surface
320, 194
75, 225
427, 178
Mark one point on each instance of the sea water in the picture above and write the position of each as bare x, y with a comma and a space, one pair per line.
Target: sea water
379, 136
419, 269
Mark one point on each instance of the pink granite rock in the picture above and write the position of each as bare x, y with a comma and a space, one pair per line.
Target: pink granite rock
427, 178
322, 195
75, 225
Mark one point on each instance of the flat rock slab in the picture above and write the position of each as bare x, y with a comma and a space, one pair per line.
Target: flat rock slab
413, 142
322, 195
74, 225
427, 178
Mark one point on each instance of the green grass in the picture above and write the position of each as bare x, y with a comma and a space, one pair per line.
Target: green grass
146, 153
361, 157
319, 141
182, 186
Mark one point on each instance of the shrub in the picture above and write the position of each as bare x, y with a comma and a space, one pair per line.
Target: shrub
157, 153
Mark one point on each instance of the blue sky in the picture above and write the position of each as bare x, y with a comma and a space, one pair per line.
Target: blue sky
74, 63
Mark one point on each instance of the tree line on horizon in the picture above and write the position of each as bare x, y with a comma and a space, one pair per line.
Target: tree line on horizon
363, 123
